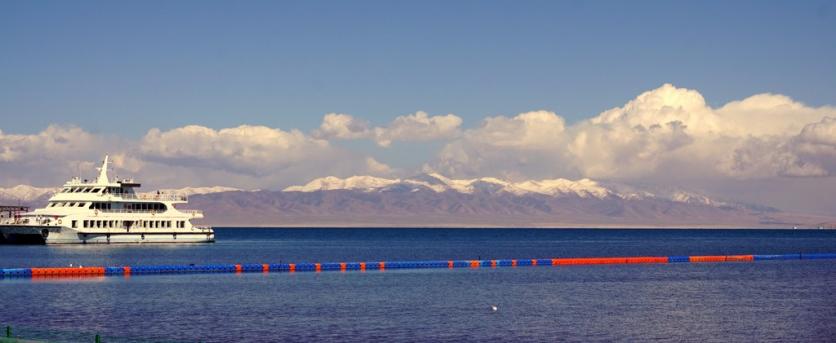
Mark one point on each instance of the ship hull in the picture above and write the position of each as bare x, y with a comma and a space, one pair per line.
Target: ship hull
30, 234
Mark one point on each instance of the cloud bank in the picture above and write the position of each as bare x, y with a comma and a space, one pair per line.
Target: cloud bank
414, 127
662, 131
665, 135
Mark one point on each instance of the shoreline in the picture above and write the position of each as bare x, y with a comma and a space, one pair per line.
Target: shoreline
500, 227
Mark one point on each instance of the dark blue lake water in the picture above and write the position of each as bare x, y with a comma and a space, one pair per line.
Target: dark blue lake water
762, 301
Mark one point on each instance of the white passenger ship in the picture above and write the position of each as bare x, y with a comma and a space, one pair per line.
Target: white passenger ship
105, 211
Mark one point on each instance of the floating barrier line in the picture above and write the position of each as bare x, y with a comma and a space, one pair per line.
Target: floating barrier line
384, 265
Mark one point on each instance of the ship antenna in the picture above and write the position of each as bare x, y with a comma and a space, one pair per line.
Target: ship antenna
103, 172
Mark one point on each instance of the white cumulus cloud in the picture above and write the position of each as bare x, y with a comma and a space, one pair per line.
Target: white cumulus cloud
245, 149
244, 156
662, 131
419, 126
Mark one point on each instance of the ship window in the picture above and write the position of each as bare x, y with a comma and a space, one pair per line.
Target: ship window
75, 224
52, 204
86, 190
65, 190
96, 190
84, 224
81, 204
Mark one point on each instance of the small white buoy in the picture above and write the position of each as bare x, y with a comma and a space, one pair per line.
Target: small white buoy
494, 308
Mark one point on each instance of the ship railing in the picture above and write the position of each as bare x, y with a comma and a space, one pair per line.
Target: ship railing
202, 227
194, 213
146, 196
120, 210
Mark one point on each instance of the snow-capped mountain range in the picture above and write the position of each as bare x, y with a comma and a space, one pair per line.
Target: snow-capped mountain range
26, 193
583, 188
435, 200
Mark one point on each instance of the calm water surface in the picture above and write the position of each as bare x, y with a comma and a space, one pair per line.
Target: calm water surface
763, 301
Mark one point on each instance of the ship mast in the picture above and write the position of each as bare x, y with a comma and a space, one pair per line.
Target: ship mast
103, 172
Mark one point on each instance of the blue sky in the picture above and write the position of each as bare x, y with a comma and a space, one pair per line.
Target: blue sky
732, 98
104, 65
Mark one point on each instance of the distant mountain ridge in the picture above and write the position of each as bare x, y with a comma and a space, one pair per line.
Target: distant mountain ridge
26, 195
432, 200
439, 183
583, 188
